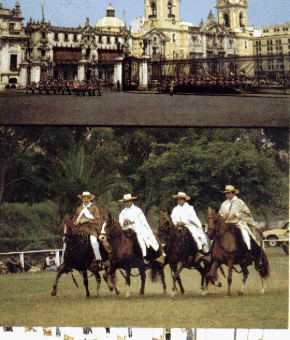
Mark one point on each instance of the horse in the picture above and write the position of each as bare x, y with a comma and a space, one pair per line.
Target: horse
79, 254
226, 249
181, 252
125, 253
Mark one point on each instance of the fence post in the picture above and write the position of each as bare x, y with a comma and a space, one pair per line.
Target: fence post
21, 255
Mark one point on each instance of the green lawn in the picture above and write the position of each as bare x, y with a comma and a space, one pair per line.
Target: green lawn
26, 301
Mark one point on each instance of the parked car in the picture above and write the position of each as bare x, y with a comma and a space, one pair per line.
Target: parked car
274, 235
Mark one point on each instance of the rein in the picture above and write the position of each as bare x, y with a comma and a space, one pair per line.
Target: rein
219, 236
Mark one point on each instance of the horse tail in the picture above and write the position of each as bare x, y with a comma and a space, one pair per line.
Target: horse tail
154, 274
264, 271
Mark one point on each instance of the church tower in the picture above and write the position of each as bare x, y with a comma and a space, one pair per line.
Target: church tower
233, 14
161, 13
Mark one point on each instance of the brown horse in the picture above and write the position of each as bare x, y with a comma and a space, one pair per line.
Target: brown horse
181, 252
125, 253
226, 249
78, 254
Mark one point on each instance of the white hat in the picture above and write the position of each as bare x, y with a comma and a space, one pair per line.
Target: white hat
182, 195
86, 193
230, 188
127, 197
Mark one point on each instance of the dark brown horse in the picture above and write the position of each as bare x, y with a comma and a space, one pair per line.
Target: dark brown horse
125, 253
78, 254
181, 252
226, 249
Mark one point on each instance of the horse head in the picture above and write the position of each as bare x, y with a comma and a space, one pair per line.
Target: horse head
214, 220
110, 228
165, 224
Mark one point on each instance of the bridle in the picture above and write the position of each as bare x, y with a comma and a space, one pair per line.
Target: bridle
110, 235
216, 228
170, 228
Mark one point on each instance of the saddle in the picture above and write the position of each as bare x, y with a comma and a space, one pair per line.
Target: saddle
84, 228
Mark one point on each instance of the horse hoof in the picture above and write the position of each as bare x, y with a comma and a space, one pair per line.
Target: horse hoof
53, 293
241, 293
117, 290
172, 294
218, 284
97, 295
263, 291
111, 289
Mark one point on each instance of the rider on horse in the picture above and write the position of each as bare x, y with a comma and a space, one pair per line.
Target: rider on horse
235, 211
184, 215
89, 213
133, 218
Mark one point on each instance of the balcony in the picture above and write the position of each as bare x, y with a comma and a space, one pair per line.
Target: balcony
152, 16
171, 16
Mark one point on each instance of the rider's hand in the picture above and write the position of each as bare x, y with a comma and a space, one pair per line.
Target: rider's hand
231, 216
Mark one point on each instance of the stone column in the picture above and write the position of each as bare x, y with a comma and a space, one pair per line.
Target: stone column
22, 80
118, 72
143, 73
81, 69
35, 71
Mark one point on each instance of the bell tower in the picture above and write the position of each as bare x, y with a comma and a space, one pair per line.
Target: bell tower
161, 13
233, 13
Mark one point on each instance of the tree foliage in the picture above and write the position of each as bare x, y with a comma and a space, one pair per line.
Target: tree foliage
58, 163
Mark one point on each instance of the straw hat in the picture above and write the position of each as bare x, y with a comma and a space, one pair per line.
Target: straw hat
52, 253
126, 198
86, 193
230, 188
182, 195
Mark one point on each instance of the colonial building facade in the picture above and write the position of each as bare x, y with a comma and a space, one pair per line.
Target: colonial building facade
13, 42
108, 49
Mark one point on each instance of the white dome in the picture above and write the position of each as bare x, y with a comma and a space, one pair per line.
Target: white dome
110, 21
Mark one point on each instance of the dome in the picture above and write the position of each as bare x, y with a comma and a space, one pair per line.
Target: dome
110, 19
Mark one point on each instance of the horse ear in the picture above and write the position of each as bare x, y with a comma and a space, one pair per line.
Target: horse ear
109, 215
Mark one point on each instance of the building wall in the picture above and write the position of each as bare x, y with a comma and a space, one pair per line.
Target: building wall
12, 45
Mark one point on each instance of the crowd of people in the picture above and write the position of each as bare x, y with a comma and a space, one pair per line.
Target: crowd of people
60, 86
13, 265
214, 84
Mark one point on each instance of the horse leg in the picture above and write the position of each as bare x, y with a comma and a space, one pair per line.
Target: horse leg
109, 278
179, 268
212, 277
108, 274
62, 269
128, 282
245, 276
230, 277
98, 280
180, 285
86, 282
162, 276
143, 279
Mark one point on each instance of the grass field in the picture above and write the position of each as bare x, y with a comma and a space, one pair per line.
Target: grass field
26, 301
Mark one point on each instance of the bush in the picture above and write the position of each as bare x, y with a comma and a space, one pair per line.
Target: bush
22, 220
30, 243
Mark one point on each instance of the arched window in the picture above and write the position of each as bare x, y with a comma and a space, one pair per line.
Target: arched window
226, 20
242, 20
169, 6
154, 9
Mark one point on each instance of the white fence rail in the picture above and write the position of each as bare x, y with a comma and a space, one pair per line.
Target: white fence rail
58, 259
